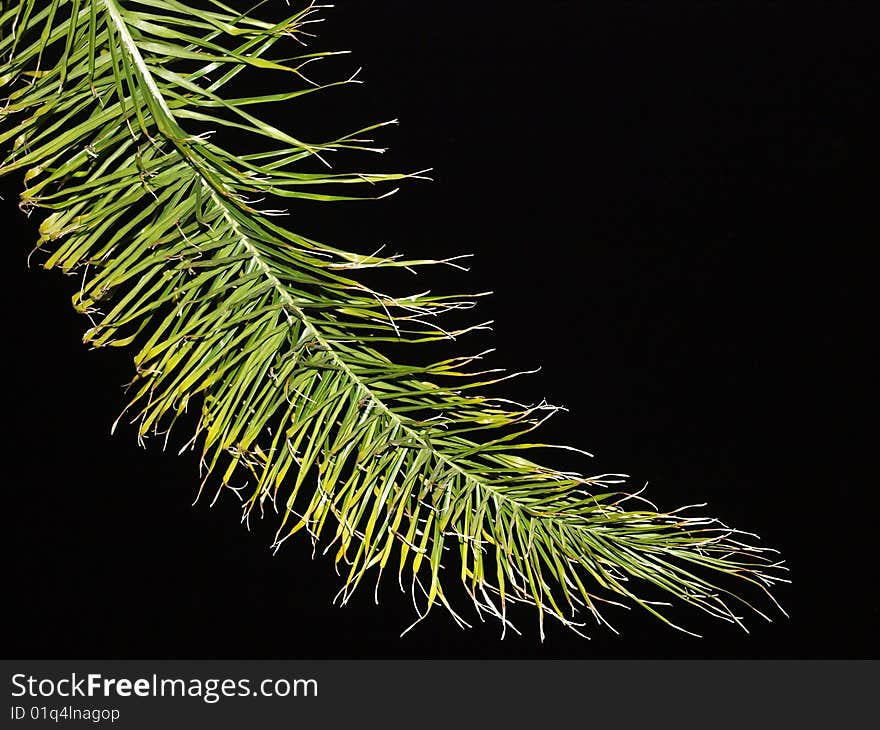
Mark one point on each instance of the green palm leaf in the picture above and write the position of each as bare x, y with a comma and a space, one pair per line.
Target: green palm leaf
113, 110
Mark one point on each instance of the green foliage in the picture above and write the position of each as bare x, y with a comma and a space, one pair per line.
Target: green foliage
278, 346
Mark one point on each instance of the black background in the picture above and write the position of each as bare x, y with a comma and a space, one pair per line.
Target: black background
672, 203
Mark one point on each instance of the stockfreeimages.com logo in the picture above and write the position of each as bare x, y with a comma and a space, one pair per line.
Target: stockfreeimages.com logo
208, 690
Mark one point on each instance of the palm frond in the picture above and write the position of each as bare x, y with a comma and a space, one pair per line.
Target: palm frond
112, 110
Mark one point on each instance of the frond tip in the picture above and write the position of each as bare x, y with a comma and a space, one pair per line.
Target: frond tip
111, 111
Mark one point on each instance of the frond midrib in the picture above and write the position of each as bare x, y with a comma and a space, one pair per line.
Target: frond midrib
547, 527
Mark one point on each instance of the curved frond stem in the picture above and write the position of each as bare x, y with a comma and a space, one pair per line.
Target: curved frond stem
116, 111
